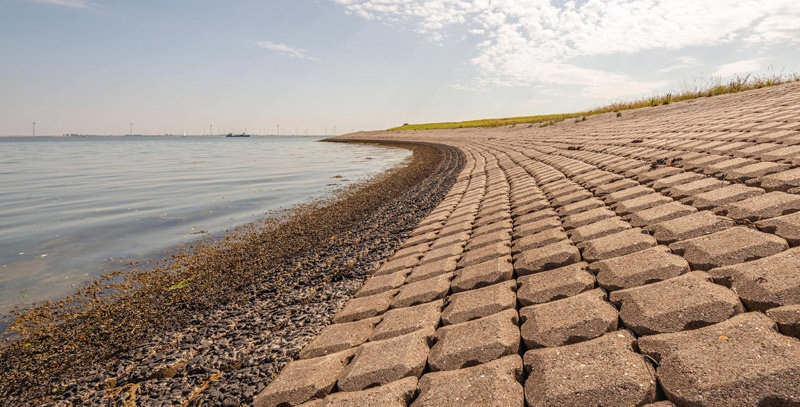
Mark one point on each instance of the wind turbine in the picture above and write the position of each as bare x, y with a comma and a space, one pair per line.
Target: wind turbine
34, 128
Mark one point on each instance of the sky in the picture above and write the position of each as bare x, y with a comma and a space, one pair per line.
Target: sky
309, 66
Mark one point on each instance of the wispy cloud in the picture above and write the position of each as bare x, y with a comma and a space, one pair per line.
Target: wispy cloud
681, 63
741, 67
527, 42
286, 50
64, 3
780, 25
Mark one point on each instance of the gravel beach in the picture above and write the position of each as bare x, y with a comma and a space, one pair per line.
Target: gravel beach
223, 351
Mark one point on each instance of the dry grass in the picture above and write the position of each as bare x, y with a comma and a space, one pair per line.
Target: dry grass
686, 91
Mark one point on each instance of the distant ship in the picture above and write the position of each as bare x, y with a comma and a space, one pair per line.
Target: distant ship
237, 135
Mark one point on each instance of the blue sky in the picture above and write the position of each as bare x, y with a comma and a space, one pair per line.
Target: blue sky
95, 66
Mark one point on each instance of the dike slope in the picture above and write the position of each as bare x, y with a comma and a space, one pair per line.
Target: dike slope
618, 261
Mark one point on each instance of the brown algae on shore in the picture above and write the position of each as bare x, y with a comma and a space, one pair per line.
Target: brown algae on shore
114, 313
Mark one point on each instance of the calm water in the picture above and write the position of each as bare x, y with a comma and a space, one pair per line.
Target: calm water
73, 208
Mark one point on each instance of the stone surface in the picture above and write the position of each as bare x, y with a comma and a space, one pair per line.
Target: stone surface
468, 305
580, 206
554, 284
615, 186
689, 226
756, 150
661, 213
575, 319
601, 372
432, 269
402, 321
566, 199
731, 246
626, 194
540, 239
303, 380
415, 250
338, 337
528, 207
397, 265
458, 238
716, 200
475, 342
534, 216
757, 170
694, 188
687, 302
726, 166
382, 362
480, 241
485, 253
495, 217
641, 203
658, 173
788, 319
587, 217
537, 226
640, 268
365, 307
786, 154
395, 394
704, 161
453, 229
443, 252
743, 361
379, 284
677, 179
781, 181
598, 229
769, 205
495, 383
423, 291
769, 282
545, 258
422, 238
787, 227
617, 244
482, 275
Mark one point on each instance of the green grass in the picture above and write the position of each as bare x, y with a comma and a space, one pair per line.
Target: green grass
686, 91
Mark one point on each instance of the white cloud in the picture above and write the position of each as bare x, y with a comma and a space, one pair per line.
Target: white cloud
682, 63
64, 3
524, 42
286, 50
740, 67
779, 26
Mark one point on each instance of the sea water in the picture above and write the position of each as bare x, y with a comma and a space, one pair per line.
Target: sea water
72, 208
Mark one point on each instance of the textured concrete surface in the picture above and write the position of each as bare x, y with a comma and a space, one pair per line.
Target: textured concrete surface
648, 259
